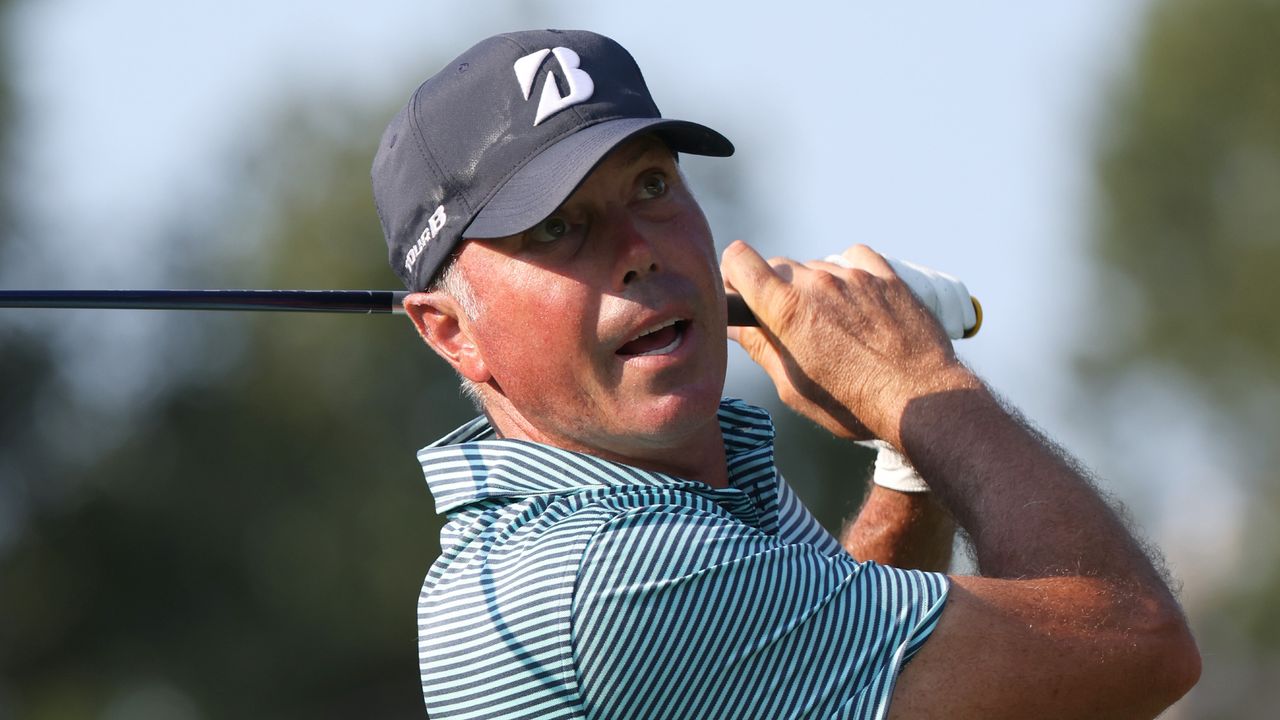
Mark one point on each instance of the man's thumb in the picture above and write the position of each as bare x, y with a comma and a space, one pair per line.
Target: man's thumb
746, 272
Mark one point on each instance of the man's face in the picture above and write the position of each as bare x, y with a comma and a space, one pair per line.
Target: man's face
603, 327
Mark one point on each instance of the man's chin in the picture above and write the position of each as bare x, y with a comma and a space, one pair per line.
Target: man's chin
673, 417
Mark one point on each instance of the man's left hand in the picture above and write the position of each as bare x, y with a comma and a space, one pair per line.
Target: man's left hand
847, 347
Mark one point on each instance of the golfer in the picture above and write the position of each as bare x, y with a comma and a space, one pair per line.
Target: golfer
619, 542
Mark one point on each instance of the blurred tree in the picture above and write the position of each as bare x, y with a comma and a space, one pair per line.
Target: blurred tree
24, 353
1190, 243
6, 111
255, 545
25, 372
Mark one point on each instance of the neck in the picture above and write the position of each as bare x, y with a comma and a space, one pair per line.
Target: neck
698, 456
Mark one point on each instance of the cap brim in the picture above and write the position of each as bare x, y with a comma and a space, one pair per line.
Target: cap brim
546, 181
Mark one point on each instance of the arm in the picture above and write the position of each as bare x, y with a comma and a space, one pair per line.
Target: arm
1089, 626
1070, 618
906, 530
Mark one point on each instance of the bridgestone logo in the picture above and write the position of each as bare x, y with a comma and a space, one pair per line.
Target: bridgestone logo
435, 224
581, 86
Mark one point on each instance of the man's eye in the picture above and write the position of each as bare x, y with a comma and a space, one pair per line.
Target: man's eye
654, 186
549, 230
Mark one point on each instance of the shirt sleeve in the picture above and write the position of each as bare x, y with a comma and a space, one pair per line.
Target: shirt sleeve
684, 613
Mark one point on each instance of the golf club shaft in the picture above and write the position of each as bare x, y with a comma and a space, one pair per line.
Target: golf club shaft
333, 301
325, 301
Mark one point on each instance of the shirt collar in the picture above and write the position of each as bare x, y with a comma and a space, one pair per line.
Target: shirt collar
472, 464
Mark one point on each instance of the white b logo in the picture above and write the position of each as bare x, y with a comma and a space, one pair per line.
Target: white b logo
580, 83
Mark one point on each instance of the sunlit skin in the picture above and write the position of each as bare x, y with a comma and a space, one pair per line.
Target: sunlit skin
628, 251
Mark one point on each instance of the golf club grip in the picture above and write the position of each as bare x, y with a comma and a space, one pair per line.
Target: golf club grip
741, 316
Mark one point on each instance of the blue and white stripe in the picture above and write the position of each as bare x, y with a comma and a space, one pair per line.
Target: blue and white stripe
573, 587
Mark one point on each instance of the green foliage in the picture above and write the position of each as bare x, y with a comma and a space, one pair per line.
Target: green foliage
256, 544
1190, 177
1191, 187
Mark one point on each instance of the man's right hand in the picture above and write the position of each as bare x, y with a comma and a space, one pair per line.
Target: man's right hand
1070, 617
847, 347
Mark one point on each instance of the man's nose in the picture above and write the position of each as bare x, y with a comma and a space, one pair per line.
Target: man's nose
637, 255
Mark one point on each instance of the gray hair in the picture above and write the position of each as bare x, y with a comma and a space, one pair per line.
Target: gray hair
453, 283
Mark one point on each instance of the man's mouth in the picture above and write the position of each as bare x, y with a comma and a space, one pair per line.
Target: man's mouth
657, 340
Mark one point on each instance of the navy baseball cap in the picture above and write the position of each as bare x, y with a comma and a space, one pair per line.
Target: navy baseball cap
492, 144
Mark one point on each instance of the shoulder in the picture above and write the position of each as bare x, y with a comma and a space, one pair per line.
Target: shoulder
692, 545
731, 615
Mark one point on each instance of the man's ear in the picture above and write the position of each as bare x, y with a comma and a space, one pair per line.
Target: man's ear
444, 327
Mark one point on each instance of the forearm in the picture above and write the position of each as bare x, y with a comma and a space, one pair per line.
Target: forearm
1027, 509
906, 530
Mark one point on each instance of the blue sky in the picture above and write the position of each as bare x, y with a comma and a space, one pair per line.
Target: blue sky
957, 136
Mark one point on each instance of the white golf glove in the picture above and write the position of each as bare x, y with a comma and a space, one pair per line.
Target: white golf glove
892, 469
945, 296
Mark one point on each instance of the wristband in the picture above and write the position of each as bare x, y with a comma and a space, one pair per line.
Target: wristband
893, 471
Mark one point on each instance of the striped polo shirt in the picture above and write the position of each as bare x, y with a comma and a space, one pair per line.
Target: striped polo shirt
574, 587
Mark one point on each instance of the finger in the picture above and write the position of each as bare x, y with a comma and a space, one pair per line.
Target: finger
838, 266
744, 269
833, 264
764, 287
784, 268
838, 260
862, 257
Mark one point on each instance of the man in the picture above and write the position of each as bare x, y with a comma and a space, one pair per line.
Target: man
619, 543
